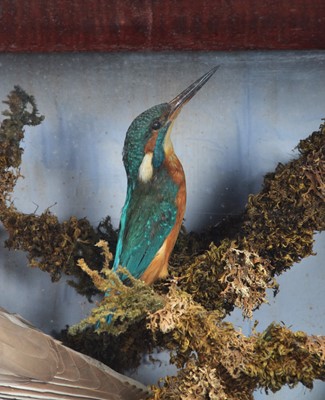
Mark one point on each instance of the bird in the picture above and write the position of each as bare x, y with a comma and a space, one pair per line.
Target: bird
155, 203
33, 365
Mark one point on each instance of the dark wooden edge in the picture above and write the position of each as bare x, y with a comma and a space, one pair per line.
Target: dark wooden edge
158, 25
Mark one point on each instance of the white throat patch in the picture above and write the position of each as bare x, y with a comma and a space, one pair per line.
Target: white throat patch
146, 168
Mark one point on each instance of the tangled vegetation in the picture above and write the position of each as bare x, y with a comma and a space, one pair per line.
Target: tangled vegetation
275, 231
213, 274
227, 364
50, 245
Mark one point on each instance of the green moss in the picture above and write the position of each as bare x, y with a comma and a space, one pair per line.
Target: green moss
50, 245
277, 227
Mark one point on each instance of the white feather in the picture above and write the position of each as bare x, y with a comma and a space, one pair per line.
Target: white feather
146, 168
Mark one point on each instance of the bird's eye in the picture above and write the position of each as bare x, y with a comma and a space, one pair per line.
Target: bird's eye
156, 125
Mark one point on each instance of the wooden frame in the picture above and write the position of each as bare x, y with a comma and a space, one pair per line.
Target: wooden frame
159, 25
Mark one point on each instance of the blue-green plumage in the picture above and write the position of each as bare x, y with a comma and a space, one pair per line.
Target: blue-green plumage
156, 193
147, 219
149, 212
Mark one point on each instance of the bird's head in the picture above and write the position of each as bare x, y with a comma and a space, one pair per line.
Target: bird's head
147, 141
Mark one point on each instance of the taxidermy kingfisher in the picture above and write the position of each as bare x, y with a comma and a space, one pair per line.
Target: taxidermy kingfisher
156, 191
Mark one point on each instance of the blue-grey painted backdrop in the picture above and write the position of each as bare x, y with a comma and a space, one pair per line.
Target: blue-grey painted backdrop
249, 117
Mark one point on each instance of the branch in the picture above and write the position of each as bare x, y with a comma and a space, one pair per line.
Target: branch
50, 245
126, 305
223, 363
277, 231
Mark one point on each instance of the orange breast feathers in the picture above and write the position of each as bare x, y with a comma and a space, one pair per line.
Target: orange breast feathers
158, 267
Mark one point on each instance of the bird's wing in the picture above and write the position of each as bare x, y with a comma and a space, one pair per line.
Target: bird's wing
147, 219
35, 366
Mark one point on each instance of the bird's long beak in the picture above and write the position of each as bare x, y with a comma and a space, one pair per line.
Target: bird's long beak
179, 101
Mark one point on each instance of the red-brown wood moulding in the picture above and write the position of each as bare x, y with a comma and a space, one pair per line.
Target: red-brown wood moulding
158, 25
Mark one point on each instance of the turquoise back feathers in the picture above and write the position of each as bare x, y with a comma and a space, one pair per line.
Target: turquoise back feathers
156, 193
149, 212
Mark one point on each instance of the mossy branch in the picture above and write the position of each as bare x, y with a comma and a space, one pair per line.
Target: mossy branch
50, 245
125, 305
227, 364
277, 231
11, 134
